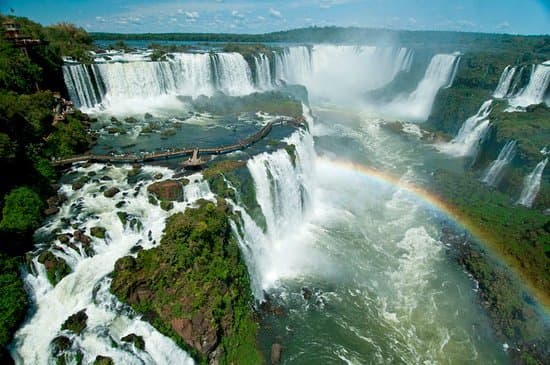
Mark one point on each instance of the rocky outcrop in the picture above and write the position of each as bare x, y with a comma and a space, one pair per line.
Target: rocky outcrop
109, 193
171, 190
56, 267
276, 350
76, 323
197, 332
134, 339
98, 232
194, 287
103, 360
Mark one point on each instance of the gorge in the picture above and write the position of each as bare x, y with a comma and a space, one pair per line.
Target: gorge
406, 220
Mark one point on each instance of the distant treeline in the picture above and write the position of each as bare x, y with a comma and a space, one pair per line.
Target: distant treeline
461, 41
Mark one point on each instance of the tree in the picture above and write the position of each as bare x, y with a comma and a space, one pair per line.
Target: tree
22, 211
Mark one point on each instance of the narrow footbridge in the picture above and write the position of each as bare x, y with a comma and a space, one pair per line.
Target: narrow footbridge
180, 152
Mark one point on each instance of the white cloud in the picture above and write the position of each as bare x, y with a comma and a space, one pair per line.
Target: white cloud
100, 19
192, 14
260, 18
504, 25
275, 13
236, 14
327, 4
412, 20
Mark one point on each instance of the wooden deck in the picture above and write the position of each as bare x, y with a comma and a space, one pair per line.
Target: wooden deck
180, 152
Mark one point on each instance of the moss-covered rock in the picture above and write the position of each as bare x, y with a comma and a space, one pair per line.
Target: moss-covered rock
171, 190
166, 205
98, 232
56, 267
123, 217
194, 287
60, 344
134, 339
76, 323
103, 360
109, 193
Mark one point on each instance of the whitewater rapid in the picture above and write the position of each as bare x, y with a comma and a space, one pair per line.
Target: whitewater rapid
87, 287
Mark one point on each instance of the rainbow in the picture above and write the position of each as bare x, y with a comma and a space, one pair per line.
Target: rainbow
450, 212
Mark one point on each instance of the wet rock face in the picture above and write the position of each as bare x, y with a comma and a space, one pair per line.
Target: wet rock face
109, 193
134, 339
76, 323
103, 360
167, 190
276, 350
197, 332
56, 267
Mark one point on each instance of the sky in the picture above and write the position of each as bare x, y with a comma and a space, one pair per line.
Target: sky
262, 16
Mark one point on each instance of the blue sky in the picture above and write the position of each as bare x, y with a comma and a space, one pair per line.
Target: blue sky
239, 16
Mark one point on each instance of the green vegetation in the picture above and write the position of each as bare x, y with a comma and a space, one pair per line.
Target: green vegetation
194, 287
13, 299
530, 46
242, 186
22, 211
519, 234
274, 102
28, 141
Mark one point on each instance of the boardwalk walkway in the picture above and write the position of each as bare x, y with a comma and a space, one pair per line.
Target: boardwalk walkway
174, 153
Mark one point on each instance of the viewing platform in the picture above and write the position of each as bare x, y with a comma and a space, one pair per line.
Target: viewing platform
194, 161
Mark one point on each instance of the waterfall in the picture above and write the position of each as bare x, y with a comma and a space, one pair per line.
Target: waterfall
535, 91
233, 74
531, 185
263, 72
284, 194
473, 130
293, 64
503, 87
190, 74
80, 85
349, 70
496, 168
87, 286
418, 105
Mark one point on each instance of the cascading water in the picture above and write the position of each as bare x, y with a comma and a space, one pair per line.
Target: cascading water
494, 173
535, 91
418, 105
87, 286
81, 86
348, 70
233, 74
503, 87
293, 64
470, 135
531, 185
183, 74
263, 72
283, 191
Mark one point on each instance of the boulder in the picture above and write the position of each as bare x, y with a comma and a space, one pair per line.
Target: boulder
276, 350
60, 344
134, 339
98, 232
103, 360
56, 268
167, 190
51, 211
198, 332
76, 323
79, 236
307, 293
109, 193
166, 205
64, 237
